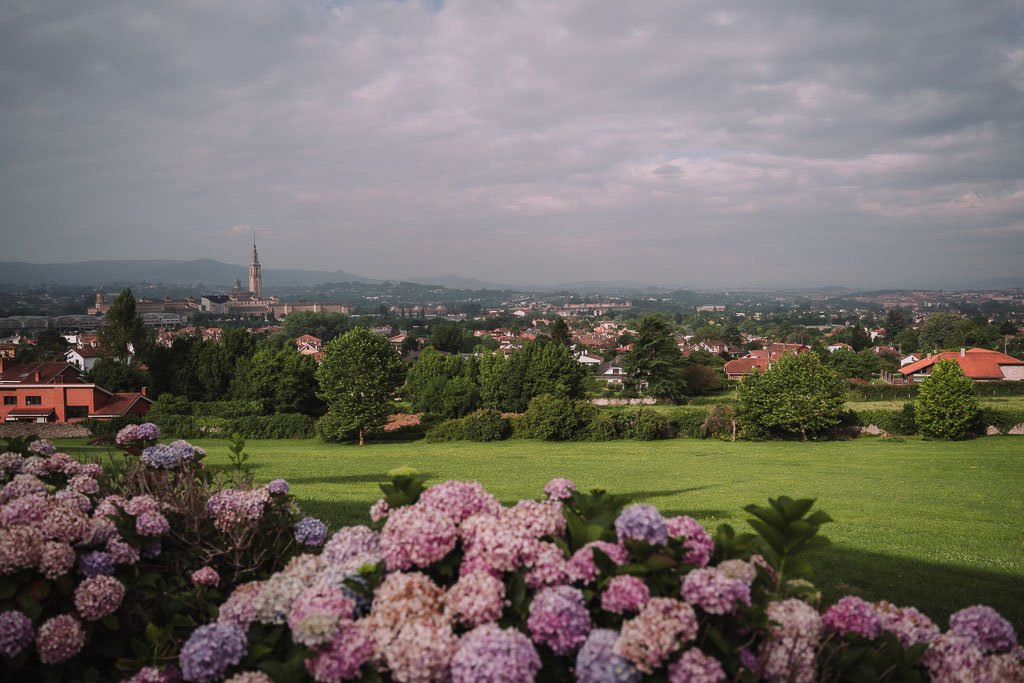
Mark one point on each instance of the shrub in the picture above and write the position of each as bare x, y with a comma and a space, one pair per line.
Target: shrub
896, 422
485, 425
650, 425
559, 419
690, 421
719, 422
603, 427
112, 426
449, 430
1001, 418
796, 397
947, 406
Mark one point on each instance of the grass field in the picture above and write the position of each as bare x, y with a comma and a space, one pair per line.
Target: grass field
936, 525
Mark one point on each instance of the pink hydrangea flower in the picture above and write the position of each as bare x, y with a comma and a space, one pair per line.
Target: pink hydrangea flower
698, 540
582, 566
459, 500
559, 619
416, 536
714, 592
788, 654
649, 638
206, 576
950, 654
497, 542
625, 594
539, 519
476, 598
380, 510
98, 597
489, 654
342, 658
906, 623
316, 613
696, 667
56, 559
549, 567
151, 523
59, 639
853, 615
421, 652
559, 489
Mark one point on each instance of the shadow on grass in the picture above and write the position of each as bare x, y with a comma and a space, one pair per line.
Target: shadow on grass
938, 590
343, 479
664, 493
336, 513
696, 513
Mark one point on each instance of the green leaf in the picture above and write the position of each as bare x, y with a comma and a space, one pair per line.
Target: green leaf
153, 633
111, 622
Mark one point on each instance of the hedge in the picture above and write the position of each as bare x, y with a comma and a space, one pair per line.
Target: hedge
891, 392
278, 426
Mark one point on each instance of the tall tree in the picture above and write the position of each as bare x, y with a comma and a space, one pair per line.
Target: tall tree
895, 322
358, 377
560, 332
124, 331
655, 360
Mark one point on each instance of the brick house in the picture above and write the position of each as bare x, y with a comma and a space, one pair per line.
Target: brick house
56, 392
978, 364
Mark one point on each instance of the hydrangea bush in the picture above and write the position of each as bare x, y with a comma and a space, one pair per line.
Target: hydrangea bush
104, 575
447, 584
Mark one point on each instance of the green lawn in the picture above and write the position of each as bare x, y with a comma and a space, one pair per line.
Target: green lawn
931, 524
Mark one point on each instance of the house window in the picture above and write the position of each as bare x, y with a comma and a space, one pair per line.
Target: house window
77, 412
10, 400
33, 400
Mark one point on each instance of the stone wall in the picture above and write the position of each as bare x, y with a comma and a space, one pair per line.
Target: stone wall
623, 401
45, 430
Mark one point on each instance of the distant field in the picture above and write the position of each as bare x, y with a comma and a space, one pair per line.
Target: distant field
932, 524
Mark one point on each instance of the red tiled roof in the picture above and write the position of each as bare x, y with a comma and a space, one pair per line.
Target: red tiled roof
309, 338
36, 411
743, 366
90, 352
26, 374
976, 363
119, 403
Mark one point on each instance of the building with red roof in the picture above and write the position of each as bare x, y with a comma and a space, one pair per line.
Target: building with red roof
982, 365
56, 392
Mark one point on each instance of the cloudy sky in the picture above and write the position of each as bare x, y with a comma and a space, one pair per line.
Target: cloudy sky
686, 143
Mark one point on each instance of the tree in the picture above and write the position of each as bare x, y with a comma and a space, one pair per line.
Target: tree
410, 344
124, 331
906, 341
114, 376
731, 335
540, 367
895, 322
940, 331
655, 359
560, 332
446, 337
358, 378
797, 395
947, 403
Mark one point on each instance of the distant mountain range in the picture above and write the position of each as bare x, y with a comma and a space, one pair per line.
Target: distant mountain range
201, 271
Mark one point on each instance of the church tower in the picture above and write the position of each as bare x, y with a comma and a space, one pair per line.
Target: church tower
255, 276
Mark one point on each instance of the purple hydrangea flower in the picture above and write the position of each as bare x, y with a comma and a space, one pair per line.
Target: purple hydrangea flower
15, 632
310, 531
147, 431
985, 626
42, 447
698, 541
278, 487
853, 615
127, 435
642, 523
153, 550
696, 667
559, 619
491, 654
210, 650
96, 563
161, 457
596, 663
185, 451
206, 576
714, 591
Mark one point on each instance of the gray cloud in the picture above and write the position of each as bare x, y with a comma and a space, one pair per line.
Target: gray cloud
683, 143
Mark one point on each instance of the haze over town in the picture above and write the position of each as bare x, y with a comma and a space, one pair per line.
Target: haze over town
691, 144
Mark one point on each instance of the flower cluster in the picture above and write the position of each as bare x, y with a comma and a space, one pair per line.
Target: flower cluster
310, 531
642, 522
205, 576
464, 589
232, 507
15, 632
98, 596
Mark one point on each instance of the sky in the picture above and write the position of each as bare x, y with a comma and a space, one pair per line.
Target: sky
698, 144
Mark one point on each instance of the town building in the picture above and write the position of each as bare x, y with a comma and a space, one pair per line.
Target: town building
56, 392
979, 364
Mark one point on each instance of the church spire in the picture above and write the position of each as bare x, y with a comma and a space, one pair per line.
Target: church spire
255, 274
